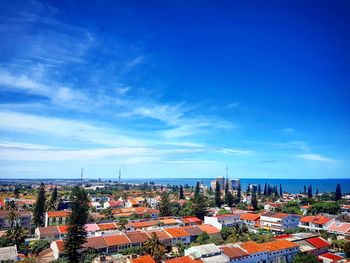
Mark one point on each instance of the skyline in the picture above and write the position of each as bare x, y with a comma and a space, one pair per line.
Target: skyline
167, 90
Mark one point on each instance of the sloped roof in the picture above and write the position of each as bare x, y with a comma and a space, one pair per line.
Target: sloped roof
318, 242
95, 242
185, 259
176, 232
209, 229
62, 213
137, 236
193, 230
250, 216
143, 259
115, 240
233, 252
48, 231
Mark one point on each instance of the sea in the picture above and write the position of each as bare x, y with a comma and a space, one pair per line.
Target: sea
288, 185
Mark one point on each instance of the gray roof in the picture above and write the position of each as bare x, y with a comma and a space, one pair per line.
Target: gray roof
208, 249
8, 253
216, 259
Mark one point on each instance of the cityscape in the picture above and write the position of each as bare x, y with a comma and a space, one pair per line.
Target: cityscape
174, 131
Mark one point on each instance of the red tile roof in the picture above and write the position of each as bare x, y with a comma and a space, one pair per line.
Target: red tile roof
57, 213
176, 232
137, 236
233, 252
318, 242
191, 219
320, 220
330, 256
95, 242
211, 230
185, 259
143, 259
115, 240
250, 216
107, 226
63, 229
161, 234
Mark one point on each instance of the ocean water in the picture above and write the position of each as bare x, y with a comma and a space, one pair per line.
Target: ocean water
288, 185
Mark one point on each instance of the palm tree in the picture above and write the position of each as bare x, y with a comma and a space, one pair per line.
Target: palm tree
154, 247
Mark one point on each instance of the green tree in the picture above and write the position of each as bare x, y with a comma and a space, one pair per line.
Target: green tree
346, 248
254, 201
309, 191
52, 205
16, 234
218, 201
181, 193
37, 246
122, 222
164, 205
301, 257
203, 238
154, 247
77, 220
338, 193
16, 192
239, 194
39, 209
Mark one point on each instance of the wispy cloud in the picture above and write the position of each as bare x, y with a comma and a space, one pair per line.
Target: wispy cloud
316, 157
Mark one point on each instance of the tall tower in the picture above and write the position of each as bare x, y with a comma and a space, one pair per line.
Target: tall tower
120, 176
82, 175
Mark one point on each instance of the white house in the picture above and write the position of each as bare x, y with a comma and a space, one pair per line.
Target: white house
279, 222
220, 221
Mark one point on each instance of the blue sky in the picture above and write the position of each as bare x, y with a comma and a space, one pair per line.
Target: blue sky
174, 89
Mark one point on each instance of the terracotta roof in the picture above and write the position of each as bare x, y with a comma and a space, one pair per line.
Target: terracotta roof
143, 259
209, 229
176, 232
60, 245
191, 219
275, 215
115, 240
233, 252
62, 213
48, 231
249, 216
185, 259
137, 236
193, 230
252, 247
330, 256
107, 226
306, 219
115, 203
161, 234
339, 227
95, 242
63, 229
318, 242
169, 221
144, 224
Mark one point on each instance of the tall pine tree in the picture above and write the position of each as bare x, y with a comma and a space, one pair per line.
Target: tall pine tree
254, 201
76, 235
164, 205
309, 191
218, 201
39, 209
239, 194
281, 192
181, 194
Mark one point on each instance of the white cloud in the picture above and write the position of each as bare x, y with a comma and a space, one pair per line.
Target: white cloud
316, 157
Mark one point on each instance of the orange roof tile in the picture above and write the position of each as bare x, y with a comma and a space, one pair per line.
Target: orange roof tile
250, 216
143, 259
176, 232
62, 229
185, 259
62, 213
161, 234
107, 226
209, 229
115, 240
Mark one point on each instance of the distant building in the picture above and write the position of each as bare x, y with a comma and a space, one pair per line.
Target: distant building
279, 222
24, 218
233, 184
221, 180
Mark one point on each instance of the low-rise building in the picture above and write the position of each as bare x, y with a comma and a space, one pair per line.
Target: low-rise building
56, 218
23, 218
315, 223
220, 221
250, 220
279, 222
